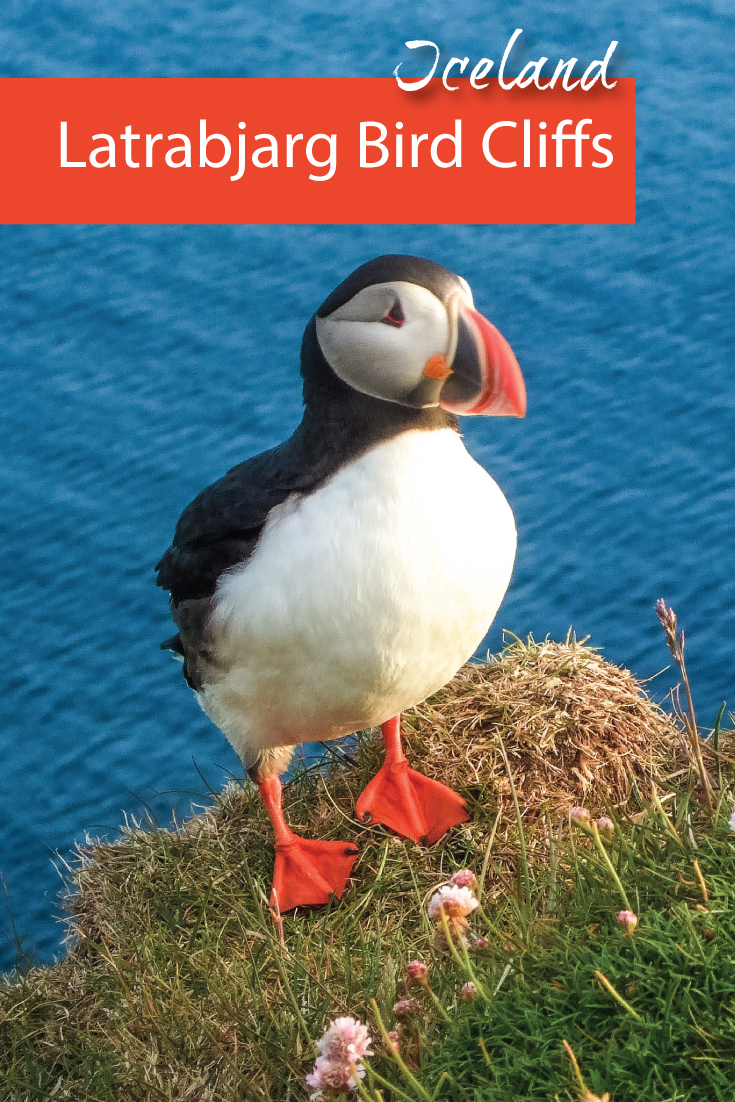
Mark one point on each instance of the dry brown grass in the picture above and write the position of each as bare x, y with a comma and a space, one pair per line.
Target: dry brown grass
573, 725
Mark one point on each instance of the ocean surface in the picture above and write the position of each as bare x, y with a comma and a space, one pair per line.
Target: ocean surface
138, 363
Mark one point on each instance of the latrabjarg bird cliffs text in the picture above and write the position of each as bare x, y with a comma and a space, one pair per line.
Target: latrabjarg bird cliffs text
317, 153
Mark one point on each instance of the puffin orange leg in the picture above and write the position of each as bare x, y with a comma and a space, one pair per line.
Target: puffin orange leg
307, 871
406, 801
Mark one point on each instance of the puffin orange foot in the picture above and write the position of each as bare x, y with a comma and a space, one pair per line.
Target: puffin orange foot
410, 803
308, 872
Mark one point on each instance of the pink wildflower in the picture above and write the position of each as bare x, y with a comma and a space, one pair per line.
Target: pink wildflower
606, 826
407, 1008
464, 878
345, 1040
393, 1037
731, 824
580, 816
343, 1046
628, 921
417, 971
480, 943
455, 902
468, 992
334, 1078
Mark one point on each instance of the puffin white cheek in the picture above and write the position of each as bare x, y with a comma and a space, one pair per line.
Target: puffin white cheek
382, 360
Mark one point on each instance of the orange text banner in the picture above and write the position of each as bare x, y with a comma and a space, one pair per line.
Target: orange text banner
313, 151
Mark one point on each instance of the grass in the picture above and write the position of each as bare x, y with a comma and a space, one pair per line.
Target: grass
176, 986
671, 1035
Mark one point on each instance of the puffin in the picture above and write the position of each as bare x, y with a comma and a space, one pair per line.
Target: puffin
331, 583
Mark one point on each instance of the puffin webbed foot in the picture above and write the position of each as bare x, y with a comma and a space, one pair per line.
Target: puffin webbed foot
309, 872
410, 804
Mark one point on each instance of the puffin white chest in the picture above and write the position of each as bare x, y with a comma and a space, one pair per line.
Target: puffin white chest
362, 598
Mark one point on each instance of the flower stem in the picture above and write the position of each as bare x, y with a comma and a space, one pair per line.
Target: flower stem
464, 960
372, 1074
395, 1055
521, 834
575, 1065
606, 858
664, 817
436, 1001
700, 878
488, 850
694, 738
675, 643
618, 997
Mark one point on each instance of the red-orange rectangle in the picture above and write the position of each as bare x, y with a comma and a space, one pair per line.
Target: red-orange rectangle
333, 151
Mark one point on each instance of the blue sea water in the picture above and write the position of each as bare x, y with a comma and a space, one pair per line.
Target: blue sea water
139, 363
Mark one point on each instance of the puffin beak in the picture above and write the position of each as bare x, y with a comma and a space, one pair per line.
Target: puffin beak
486, 378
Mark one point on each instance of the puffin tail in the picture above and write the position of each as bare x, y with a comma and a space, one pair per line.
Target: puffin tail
174, 644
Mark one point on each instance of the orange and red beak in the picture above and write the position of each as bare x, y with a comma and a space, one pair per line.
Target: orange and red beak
485, 377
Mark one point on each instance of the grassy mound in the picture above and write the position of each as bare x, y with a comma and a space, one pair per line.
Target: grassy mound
569, 721
176, 985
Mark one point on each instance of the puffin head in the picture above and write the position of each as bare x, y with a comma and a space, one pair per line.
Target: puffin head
405, 330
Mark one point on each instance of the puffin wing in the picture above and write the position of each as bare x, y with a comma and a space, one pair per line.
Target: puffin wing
222, 525
221, 528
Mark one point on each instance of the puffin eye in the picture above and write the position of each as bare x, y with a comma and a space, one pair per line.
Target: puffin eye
395, 315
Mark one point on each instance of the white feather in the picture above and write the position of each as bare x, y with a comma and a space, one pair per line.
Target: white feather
379, 359
361, 599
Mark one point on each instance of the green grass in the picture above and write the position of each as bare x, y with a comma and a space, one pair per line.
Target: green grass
178, 988
676, 973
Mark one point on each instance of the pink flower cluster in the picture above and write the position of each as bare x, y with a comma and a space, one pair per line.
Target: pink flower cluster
464, 878
407, 1008
581, 817
627, 920
417, 972
455, 902
339, 1068
457, 898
